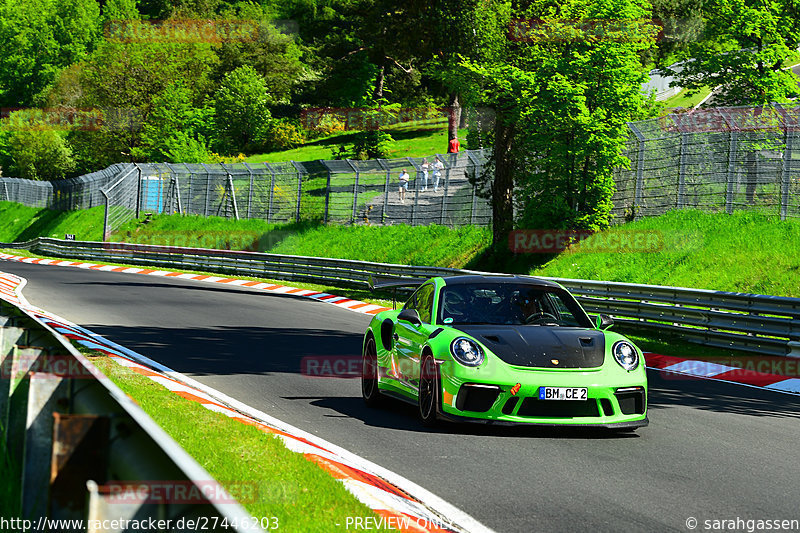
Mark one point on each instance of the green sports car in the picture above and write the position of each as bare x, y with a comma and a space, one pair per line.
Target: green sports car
503, 349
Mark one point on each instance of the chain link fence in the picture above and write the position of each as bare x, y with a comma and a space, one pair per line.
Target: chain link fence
721, 159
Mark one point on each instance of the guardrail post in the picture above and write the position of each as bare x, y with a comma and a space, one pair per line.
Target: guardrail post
44, 392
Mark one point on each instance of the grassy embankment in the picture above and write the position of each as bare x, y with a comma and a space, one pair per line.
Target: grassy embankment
745, 252
275, 482
418, 139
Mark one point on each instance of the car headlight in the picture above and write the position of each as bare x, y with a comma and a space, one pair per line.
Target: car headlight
466, 352
626, 355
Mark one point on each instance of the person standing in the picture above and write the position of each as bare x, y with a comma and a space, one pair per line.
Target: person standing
438, 166
423, 168
454, 146
403, 185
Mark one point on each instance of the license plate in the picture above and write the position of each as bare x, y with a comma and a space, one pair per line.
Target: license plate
562, 393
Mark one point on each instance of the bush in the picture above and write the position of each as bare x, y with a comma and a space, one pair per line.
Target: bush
372, 145
37, 154
284, 134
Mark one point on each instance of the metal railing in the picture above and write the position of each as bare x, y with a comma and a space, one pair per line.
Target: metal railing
73, 432
750, 322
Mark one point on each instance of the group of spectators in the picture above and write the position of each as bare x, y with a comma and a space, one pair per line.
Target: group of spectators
424, 169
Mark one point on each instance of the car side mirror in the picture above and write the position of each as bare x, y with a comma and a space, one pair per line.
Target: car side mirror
604, 321
410, 315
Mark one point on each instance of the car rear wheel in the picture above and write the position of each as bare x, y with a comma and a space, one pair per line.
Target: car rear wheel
369, 374
428, 391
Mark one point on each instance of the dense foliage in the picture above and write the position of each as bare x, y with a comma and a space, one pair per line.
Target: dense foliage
208, 80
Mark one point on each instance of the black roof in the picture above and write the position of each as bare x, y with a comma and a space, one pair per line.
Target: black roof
475, 279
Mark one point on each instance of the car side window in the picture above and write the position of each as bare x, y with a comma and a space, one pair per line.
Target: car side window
425, 303
422, 302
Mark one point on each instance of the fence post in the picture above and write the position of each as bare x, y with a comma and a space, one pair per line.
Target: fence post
271, 191
299, 190
682, 171
105, 216
233, 194
250, 193
445, 187
138, 189
327, 195
208, 184
786, 171
355, 190
731, 173
639, 187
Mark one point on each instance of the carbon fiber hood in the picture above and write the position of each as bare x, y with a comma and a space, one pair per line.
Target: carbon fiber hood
539, 346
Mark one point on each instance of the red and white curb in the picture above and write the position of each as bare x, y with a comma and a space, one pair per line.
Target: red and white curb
340, 301
400, 503
753, 372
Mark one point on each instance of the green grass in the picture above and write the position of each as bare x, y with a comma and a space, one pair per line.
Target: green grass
685, 100
300, 494
414, 245
744, 252
411, 140
21, 223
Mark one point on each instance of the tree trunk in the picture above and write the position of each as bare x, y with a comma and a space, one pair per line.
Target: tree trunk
378, 93
453, 118
503, 185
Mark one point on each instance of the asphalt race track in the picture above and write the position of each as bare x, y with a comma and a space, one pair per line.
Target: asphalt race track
712, 450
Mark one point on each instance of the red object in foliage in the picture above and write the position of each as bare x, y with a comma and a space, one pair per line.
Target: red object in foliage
454, 146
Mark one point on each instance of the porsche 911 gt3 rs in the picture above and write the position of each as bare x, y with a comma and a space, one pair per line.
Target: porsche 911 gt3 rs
503, 349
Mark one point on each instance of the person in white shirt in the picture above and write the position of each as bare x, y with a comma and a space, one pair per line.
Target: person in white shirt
403, 185
424, 170
438, 166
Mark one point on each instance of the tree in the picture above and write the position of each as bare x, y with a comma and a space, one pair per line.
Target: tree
34, 150
175, 126
38, 38
475, 29
562, 96
744, 48
242, 110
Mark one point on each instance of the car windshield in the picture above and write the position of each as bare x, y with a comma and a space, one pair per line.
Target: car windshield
509, 303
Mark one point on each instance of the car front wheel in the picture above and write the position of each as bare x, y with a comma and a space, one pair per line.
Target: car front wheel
369, 374
428, 391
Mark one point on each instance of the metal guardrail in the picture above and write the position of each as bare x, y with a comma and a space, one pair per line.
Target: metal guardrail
768, 325
75, 434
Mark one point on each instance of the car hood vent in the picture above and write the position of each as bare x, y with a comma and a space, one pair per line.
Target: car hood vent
542, 346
